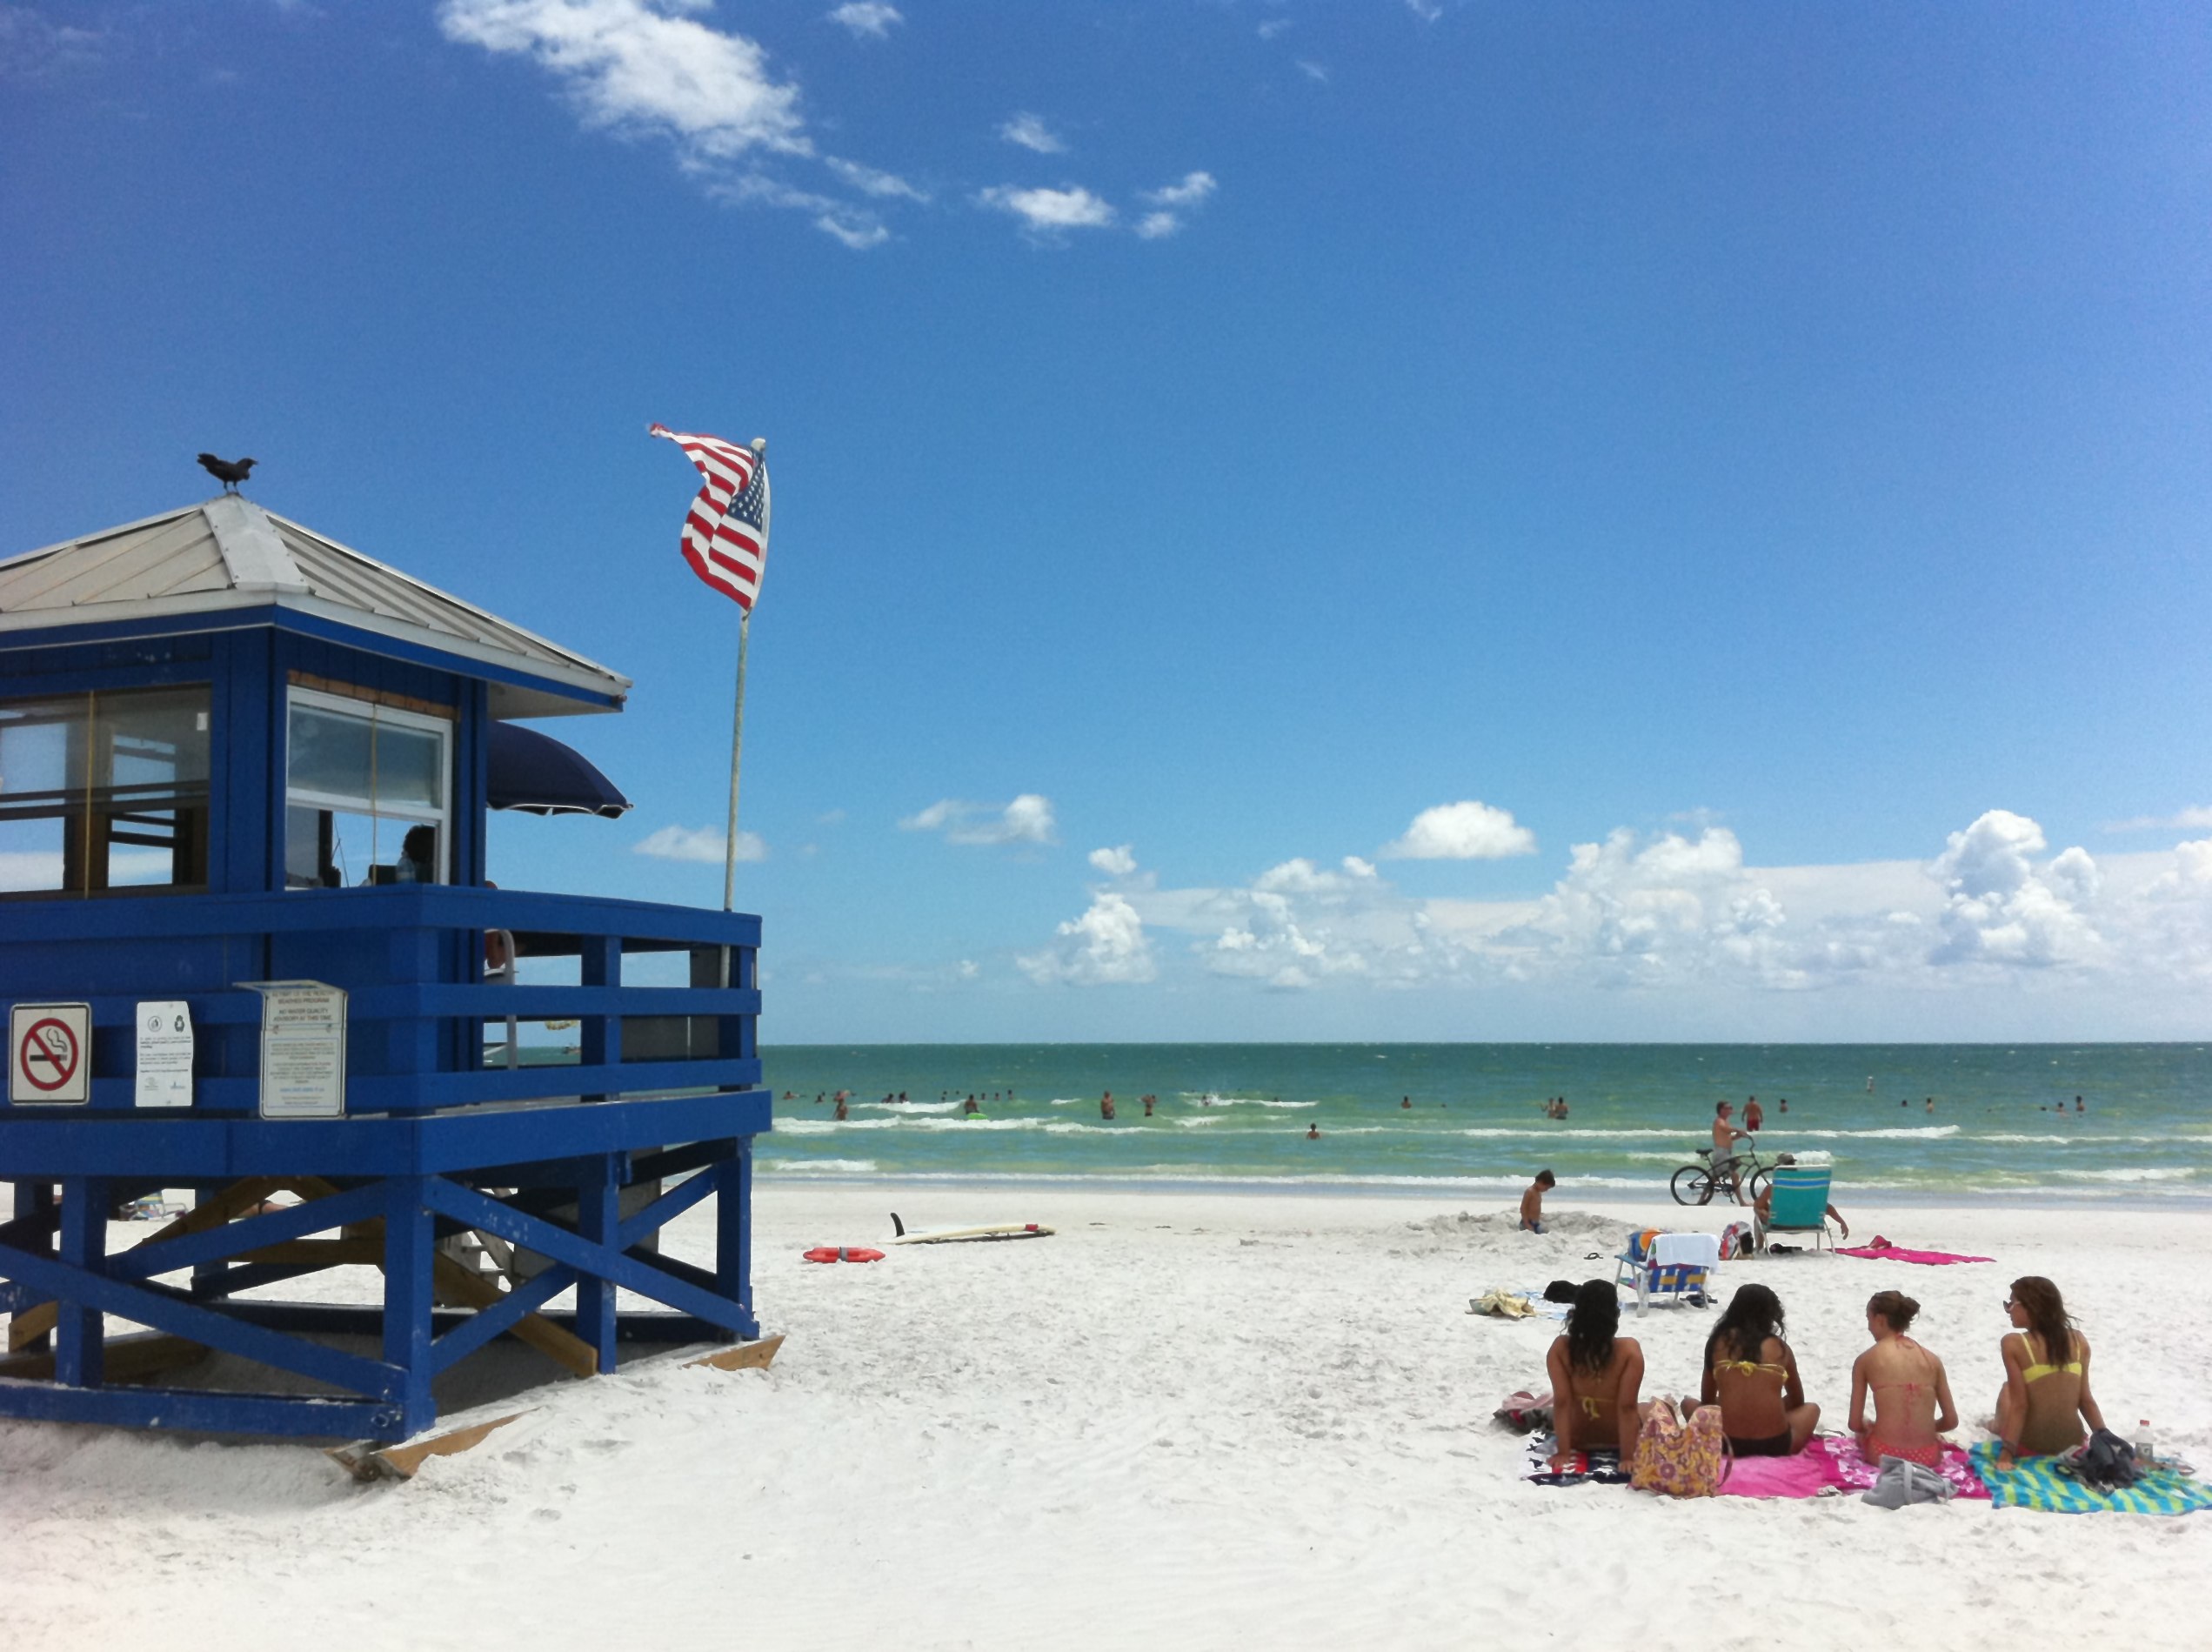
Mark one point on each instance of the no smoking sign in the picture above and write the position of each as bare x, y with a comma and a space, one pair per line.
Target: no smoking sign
50, 1053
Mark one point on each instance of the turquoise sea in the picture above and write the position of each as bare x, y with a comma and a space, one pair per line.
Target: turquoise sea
1239, 1114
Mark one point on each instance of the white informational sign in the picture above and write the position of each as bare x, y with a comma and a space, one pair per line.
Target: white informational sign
164, 1055
303, 1049
50, 1053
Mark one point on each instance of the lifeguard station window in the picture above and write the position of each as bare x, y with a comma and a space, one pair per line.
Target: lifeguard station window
105, 791
366, 791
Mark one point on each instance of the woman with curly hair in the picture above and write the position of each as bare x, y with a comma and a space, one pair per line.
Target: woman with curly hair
1752, 1375
2045, 1399
1595, 1378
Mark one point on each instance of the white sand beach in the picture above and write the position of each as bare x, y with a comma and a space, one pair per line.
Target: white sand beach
1184, 1420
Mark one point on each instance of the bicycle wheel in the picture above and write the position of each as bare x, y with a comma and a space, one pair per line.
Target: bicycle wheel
1693, 1184
1756, 1183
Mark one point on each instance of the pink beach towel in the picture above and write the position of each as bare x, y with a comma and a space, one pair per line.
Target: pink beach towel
1834, 1461
1881, 1249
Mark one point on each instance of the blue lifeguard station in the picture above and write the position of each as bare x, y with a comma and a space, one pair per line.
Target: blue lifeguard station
242, 765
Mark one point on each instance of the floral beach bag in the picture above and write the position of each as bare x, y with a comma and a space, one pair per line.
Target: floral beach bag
1681, 1460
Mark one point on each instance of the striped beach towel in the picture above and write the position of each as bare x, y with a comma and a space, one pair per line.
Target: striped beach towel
2035, 1483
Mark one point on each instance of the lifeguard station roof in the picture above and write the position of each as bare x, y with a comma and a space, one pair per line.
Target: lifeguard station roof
228, 554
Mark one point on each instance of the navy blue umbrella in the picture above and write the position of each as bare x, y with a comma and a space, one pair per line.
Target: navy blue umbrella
540, 775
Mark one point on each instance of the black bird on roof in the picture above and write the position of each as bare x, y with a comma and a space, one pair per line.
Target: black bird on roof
230, 473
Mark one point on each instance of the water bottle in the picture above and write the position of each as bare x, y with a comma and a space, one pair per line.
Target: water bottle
2142, 1442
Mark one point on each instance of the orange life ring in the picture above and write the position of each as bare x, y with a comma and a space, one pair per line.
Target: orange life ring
843, 1254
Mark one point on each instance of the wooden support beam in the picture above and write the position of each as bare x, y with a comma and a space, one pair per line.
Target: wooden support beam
367, 1461
746, 1356
319, 1253
455, 1284
33, 1323
125, 1359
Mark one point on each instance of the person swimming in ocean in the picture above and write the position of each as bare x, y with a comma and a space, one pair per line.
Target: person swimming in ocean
1313, 1133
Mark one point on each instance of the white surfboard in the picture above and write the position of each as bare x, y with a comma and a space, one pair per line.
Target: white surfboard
954, 1235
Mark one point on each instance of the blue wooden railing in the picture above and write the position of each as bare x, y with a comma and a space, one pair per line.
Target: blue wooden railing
410, 957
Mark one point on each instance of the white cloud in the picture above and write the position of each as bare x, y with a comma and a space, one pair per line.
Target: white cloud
1316, 72
1106, 946
644, 64
1194, 188
1031, 132
867, 19
1049, 214
1115, 863
1028, 819
1273, 27
698, 843
869, 181
1426, 10
857, 227
2193, 819
1171, 202
652, 68
1466, 831
2002, 907
32, 47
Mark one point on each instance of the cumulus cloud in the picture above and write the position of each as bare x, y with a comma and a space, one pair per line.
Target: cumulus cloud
1468, 831
1048, 215
1031, 132
652, 68
698, 843
1028, 819
867, 19
1116, 862
1106, 946
2001, 906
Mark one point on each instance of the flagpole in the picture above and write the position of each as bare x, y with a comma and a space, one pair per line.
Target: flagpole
737, 750
737, 734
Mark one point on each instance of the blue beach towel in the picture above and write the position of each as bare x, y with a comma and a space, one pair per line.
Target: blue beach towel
2035, 1483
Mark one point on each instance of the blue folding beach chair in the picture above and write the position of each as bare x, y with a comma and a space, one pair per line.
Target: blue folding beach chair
1800, 1206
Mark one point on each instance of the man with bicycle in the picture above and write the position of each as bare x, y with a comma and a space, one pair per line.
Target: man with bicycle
1725, 1136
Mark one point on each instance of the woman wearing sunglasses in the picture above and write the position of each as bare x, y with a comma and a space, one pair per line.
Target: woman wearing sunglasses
2046, 1401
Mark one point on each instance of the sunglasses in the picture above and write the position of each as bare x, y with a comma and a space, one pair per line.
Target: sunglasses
2010, 1305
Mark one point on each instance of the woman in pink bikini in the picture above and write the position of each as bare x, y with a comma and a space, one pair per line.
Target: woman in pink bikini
1912, 1395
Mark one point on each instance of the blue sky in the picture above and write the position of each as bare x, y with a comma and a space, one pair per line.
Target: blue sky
1362, 520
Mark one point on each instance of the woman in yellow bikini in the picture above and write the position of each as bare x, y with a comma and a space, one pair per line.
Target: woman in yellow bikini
1752, 1375
2045, 1399
1595, 1378
1912, 1394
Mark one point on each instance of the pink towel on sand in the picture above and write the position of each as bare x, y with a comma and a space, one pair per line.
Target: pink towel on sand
1883, 1249
1834, 1461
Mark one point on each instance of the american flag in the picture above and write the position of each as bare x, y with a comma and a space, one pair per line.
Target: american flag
725, 533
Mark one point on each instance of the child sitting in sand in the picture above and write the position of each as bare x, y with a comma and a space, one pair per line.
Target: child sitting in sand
1912, 1395
2046, 1398
1532, 1202
1752, 1375
1595, 1378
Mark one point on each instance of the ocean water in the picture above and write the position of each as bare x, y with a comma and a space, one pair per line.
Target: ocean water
1237, 1113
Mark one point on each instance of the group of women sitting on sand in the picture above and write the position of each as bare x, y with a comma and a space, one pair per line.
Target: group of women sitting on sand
1750, 1374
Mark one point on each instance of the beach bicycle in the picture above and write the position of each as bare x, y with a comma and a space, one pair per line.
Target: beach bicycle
1697, 1184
